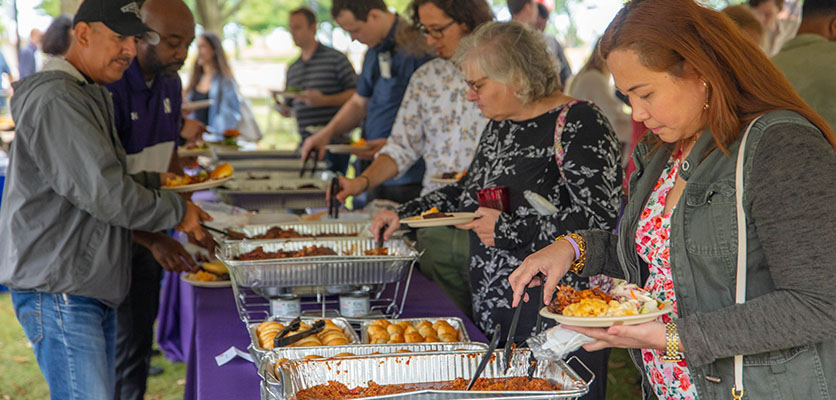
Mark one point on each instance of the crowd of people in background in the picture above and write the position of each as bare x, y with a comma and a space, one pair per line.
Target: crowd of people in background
636, 152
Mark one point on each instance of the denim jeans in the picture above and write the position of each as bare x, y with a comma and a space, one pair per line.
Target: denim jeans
74, 342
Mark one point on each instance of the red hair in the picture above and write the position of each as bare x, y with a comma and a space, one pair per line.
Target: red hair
742, 82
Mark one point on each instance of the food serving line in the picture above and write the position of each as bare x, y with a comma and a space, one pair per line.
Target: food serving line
275, 279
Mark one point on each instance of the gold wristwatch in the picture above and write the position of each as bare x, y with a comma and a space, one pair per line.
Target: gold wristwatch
672, 353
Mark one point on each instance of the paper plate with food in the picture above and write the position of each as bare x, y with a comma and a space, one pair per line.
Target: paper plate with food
211, 274
204, 180
448, 177
200, 149
434, 217
359, 145
625, 304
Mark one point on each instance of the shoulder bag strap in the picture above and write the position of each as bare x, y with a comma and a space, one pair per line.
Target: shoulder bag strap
740, 292
559, 153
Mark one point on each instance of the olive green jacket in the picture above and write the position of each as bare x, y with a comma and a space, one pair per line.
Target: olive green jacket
787, 326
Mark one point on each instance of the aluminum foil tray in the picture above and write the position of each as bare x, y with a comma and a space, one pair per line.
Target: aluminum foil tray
454, 321
224, 154
258, 352
272, 165
425, 367
319, 229
268, 359
352, 269
278, 194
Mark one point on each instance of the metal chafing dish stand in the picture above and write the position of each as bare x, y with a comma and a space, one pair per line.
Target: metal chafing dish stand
320, 277
418, 368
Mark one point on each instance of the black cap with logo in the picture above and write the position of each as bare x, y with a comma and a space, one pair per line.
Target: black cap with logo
121, 16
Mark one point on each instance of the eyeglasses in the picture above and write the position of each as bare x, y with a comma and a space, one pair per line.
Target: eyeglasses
477, 84
435, 33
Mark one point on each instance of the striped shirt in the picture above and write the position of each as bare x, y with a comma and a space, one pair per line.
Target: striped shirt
328, 71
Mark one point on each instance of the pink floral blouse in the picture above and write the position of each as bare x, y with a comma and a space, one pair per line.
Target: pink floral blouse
669, 380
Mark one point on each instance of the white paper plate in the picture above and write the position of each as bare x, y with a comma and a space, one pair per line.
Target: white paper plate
456, 219
184, 152
439, 179
197, 186
345, 148
605, 322
188, 278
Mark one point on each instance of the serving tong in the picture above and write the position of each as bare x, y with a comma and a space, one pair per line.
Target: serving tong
312, 155
532, 361
282, 341
509, 341
223, 232
485, 357
333, 203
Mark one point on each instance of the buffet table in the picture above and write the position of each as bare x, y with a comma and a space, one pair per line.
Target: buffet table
195, 324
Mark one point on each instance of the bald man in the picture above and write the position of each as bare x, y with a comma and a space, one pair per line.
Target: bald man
30, 58
147, 116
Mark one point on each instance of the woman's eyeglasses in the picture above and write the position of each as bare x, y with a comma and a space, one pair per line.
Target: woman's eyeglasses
435, 33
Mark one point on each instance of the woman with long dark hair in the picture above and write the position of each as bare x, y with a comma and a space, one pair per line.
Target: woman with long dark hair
212, 79
739, 242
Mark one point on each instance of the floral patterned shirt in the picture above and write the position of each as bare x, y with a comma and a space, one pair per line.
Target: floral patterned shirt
669, 380
585, 188
435, 121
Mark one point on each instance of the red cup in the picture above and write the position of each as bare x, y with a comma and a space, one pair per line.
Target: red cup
496, 198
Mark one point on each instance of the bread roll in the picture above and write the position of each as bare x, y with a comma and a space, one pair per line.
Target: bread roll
427, 330
333, 335
440, 323
340, 341
413, 337
265, 324
380, 340
394, 330
424, 323
447, 330
431, 339
223, 170
410, 329
396, 338
448, 338
377, 330
404, 324
380, 322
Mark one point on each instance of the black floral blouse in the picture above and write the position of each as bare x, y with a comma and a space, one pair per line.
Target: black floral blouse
521, 156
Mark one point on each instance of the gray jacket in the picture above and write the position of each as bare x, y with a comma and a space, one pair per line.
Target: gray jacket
68, 205
786, 330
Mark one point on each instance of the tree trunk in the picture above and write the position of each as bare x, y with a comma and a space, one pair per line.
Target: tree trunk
70, 6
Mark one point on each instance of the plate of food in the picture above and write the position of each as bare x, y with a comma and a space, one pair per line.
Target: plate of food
433, 217
204, 180
202, 149
359, 145
625, 304
448, 177
211, 275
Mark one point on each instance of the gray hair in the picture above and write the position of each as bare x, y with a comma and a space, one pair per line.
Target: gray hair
512, 54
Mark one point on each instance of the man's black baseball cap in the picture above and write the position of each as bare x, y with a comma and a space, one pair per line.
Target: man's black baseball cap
121, 16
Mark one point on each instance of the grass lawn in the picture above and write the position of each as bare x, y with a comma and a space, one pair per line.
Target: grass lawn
20, 378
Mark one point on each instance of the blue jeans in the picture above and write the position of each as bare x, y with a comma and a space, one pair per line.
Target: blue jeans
74, 342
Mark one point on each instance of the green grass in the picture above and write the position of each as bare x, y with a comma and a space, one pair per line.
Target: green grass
20, 378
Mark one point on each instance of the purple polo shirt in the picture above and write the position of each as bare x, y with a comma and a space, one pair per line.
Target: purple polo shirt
147, 118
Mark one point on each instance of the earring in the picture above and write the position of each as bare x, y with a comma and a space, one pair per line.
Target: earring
705, 105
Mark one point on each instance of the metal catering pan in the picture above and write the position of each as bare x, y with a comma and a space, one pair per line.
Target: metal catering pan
258, 352
453, 321
274, 194
424, 367
317, 229
352, 267
268, 359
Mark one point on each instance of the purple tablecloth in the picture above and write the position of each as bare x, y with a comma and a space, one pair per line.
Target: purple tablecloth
196, 324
